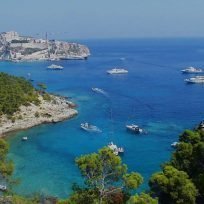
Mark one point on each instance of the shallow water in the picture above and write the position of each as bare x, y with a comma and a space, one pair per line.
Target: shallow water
152, 95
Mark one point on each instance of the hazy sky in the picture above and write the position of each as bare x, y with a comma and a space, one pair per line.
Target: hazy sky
104, 18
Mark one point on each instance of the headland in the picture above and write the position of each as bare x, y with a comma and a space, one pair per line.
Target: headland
17, 48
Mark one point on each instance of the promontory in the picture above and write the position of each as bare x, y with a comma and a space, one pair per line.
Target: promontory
14, 47
22, 106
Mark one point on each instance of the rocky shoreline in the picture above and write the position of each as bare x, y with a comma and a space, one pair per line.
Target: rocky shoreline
48, 111
17, 48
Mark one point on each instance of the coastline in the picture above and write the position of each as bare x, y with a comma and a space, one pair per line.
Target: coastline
56, 110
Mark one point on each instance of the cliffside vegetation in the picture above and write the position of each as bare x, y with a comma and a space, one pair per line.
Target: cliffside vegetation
14, 92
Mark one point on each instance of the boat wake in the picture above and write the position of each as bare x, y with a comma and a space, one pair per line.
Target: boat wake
101, 91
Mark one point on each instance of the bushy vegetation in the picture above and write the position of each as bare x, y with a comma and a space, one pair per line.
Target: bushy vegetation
14, 92
6, 167
106, 179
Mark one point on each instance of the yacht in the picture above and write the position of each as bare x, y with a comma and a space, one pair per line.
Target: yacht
192, 70
134, 128
90, 128
117, 71
195, 80
116, 150
3, 187
55, 67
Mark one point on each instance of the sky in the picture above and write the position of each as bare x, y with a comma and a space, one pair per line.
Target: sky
86, 19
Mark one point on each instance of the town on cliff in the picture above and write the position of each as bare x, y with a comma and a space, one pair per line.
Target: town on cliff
14, 47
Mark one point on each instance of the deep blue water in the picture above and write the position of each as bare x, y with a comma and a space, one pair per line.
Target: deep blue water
153, 94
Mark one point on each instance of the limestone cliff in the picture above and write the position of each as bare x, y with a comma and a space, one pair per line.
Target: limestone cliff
21, 48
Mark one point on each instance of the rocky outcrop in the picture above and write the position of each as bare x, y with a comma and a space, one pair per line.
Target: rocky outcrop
52, 111
21, 48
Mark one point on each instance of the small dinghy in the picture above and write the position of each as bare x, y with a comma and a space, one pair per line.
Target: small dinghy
174, 144
24, 138
3, 187
90, 128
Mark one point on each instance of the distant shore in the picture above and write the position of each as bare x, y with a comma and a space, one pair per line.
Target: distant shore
55, 110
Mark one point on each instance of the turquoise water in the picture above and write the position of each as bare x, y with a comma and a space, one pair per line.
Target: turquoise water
153, 95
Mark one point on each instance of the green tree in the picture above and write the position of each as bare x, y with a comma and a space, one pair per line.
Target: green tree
172, 186
143, 198
189, 157
6, 167
105, 174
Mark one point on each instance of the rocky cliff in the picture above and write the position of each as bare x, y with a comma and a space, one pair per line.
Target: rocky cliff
21, 48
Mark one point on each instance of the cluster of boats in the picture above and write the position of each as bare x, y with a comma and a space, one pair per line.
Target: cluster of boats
195, 79
111, 71
116, 150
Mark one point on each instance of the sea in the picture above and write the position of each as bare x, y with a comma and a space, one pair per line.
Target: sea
152, 95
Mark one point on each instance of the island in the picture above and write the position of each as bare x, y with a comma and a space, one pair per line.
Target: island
14, 47
22, 106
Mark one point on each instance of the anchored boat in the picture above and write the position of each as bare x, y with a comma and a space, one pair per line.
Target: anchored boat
55, 67
192, 70
116, 150
195, 80
117, 71
134, 128
90, 128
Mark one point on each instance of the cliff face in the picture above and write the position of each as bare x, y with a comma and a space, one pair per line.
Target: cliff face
19, 48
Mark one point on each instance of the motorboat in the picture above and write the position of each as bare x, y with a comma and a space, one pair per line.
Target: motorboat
134, 128
117, 71
90, 128
3, 187
116, 150
195, 80
97, 90
192, 70
24, 138
55, 67
174, 144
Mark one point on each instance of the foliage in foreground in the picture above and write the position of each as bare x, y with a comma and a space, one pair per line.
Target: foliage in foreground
189, 157
6, 167
106, 179
173, 186
143, 198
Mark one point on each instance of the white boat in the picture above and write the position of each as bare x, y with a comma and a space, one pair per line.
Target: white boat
134, 128
24, 138
192, 70
3, 187
55, 67
116, 150
201, 125
195, 80
117, 71
90, 128
174, 144
97, 90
